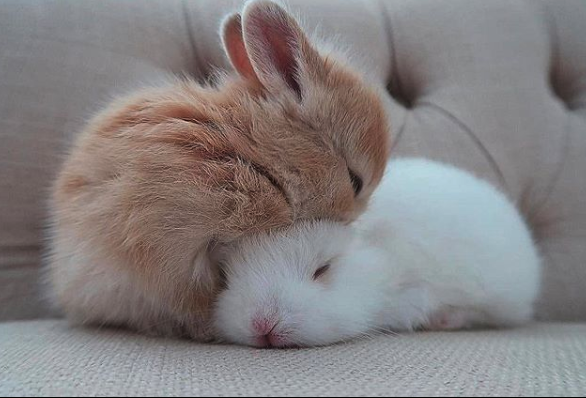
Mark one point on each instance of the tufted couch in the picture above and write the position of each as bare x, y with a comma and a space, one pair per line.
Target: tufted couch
496, 87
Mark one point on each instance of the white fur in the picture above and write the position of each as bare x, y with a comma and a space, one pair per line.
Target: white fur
438, 249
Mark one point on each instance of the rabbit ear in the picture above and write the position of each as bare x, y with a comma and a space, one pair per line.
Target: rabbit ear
234, 46
277, 48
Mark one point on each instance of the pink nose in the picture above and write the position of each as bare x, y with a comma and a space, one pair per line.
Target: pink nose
263, 326
267, 341
267, 336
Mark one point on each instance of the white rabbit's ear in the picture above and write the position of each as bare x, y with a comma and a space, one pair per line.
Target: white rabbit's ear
233, 42
278, 49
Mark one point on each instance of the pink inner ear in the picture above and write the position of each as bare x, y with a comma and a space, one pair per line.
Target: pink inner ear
282, 43
239, 58
273, 42
234, 44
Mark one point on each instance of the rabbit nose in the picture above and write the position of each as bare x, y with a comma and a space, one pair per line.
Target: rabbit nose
268, 341
263, 326
266, 335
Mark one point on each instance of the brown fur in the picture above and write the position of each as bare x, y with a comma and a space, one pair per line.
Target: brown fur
161, 176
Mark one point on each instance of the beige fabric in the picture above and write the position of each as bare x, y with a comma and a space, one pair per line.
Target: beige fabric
497, 87
47, 358
59, 61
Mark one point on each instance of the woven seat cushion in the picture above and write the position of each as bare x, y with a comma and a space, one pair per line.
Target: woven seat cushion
50, 359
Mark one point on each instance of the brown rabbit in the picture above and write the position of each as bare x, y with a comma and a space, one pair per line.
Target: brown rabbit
161, 177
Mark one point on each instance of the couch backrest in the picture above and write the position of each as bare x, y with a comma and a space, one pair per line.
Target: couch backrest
495, 87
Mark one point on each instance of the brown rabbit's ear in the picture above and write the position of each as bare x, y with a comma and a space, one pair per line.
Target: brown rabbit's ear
234, 46
278, 49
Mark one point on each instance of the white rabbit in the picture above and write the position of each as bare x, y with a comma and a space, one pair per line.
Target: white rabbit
438, 249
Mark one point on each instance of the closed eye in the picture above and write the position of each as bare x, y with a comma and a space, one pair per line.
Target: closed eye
321, 272
357, 182
222, 277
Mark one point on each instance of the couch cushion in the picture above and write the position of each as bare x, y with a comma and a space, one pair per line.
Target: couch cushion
49, 359
497, 87
59, 62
